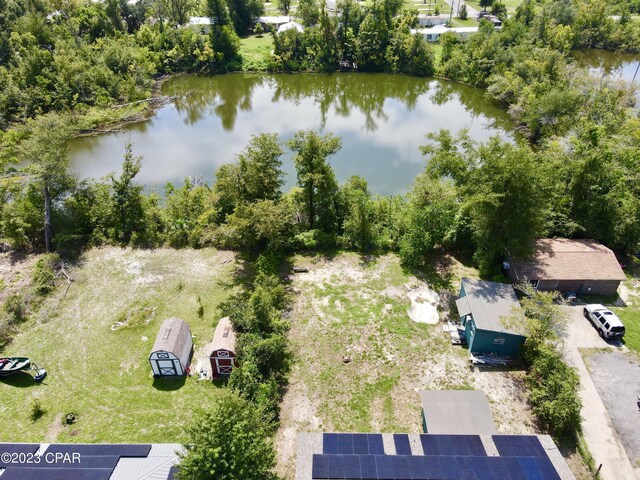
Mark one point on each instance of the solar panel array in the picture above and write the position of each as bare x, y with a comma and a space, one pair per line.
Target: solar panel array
445, 457
95, 462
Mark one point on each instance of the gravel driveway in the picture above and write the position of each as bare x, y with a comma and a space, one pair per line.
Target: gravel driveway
616, 375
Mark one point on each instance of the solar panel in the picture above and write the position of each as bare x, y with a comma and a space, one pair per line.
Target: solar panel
403, 447
360, 444
172, 472
84, 461
368, 469
330, 443
120, 450
452, 445
376, 447
345, 443
319, 466
352, 466
24, 448
519, 446
55, 474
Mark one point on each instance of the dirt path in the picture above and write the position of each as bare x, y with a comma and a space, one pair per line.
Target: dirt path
599, 433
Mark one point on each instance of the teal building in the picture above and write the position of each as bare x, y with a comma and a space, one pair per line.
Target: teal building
483, 308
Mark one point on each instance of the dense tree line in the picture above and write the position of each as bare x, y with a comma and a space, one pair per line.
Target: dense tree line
375, 38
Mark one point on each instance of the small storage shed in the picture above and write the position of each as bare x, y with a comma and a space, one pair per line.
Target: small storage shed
482, 307
463, 412
223, 349
172, 349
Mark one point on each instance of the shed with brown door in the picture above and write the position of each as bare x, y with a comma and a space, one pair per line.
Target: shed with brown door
223, 349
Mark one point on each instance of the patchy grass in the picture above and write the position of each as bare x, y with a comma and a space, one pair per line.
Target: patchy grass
510, 4
469, 22
630, 314
255, 51
355, 306
102, 375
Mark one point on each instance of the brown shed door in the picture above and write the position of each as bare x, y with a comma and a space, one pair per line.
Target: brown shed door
224, 362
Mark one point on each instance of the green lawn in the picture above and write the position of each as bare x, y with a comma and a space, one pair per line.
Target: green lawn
103, 375
255, 50
510, 4
630, 314
469, 22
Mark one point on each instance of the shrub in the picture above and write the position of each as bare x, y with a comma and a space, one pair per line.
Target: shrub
44, 276
36, 410
15, 305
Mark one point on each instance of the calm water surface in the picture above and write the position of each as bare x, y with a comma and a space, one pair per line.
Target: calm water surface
381, 118
624, 66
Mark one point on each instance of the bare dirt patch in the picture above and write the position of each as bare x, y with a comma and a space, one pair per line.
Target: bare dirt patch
349, 307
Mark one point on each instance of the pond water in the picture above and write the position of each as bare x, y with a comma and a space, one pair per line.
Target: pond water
624, 66
381, 118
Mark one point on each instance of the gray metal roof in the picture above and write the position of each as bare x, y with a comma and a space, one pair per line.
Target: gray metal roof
155, 466
464, 412
489, 303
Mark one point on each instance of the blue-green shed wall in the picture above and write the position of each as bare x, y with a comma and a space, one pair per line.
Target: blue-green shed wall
483, 341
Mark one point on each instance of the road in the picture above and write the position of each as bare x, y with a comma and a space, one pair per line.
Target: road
602, 439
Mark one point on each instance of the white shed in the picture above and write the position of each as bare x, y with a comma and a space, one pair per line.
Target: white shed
172, 349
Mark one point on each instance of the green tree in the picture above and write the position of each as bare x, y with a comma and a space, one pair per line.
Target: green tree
228, 442
462, 13
503, 188
373, 38
284, 6
244, 13
128, 210
178, 11
316, 177
309, 11
485, 3
359, 224
525, 12
46, 150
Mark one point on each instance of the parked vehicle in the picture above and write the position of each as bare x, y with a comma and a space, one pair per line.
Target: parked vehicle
604, 320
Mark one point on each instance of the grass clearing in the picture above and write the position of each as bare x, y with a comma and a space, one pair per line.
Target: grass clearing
356, 306
102, 375
255, 51
510, 4
630, 314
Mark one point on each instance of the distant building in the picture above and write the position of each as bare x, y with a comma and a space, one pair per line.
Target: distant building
290, 26
171, 352
200, 24
269, 22
425, 20
433, 34
483, 306
580, 266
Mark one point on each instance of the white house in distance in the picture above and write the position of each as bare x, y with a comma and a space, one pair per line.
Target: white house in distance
290, 26
433, 34
172, 349
425, 20
200, 24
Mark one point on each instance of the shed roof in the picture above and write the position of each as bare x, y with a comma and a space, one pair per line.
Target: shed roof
565, 259
488, 303
457, 412
173, 336
224, 337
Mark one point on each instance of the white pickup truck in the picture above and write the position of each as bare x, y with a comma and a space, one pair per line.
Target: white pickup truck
606, 322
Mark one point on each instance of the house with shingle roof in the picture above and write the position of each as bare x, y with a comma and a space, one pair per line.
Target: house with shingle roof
581, 266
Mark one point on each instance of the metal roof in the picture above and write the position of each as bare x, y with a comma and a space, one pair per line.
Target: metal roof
457, 412
489, 303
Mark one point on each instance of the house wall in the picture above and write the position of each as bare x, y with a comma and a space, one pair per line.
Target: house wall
185, 356
486, 341
584, 287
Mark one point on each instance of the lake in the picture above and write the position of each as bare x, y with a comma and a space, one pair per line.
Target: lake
381, 118
604, 63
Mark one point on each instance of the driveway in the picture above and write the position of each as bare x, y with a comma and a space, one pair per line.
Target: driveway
602, 439
455, 6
